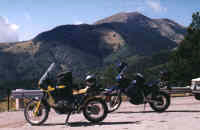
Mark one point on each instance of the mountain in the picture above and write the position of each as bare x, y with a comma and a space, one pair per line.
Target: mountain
136, 21
83, 48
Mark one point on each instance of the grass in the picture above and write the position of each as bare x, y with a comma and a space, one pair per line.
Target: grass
4, 105
181, 95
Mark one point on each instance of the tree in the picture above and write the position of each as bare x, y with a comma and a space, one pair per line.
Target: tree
196, 21
185, 61
108, 76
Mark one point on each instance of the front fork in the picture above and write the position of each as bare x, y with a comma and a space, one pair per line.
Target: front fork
38, 103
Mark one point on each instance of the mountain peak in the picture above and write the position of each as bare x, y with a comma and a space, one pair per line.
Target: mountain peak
123, 17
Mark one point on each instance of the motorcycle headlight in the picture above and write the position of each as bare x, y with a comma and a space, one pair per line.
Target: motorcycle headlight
197, 87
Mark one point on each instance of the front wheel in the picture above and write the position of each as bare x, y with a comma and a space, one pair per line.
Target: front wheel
95, 110
160, 102
36, 112
113, 102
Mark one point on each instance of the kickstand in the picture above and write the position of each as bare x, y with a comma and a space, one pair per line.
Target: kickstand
145, 101
144, 106
67, 119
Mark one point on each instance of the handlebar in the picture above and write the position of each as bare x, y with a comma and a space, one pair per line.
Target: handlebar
123, 66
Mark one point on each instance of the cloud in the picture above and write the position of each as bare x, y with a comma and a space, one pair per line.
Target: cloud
140, 9
14, 27
8, 32
156, 6
78, 22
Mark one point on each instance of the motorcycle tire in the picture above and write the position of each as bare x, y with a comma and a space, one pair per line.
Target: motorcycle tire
197, 96
161, 103
40, 117
113, 103
91, 108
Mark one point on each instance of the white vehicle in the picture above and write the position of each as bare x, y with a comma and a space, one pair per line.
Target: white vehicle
195, 87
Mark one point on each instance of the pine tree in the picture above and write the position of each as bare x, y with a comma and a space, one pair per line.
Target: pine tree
185, 61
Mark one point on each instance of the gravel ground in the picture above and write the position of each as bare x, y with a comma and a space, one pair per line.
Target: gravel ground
183, 114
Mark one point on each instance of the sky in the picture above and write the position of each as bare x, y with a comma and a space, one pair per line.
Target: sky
22, 20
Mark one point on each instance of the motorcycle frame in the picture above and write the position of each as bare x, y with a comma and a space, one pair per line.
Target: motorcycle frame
49, 100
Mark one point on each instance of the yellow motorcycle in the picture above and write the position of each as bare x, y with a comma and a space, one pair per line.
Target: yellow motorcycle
84, 100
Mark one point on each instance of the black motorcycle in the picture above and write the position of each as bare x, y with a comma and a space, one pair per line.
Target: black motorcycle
137, 92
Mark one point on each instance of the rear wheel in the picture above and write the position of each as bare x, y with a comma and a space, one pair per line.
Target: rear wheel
33, 117
95, 110
161, 102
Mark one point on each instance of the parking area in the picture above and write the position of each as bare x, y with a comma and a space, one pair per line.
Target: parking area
183, 114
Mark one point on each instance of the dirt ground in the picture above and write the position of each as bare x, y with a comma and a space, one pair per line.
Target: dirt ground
183, 114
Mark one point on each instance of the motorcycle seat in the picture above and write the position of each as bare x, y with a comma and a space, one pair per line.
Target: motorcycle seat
80, 91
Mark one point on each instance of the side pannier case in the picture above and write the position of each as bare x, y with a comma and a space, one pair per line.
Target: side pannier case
63, 78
